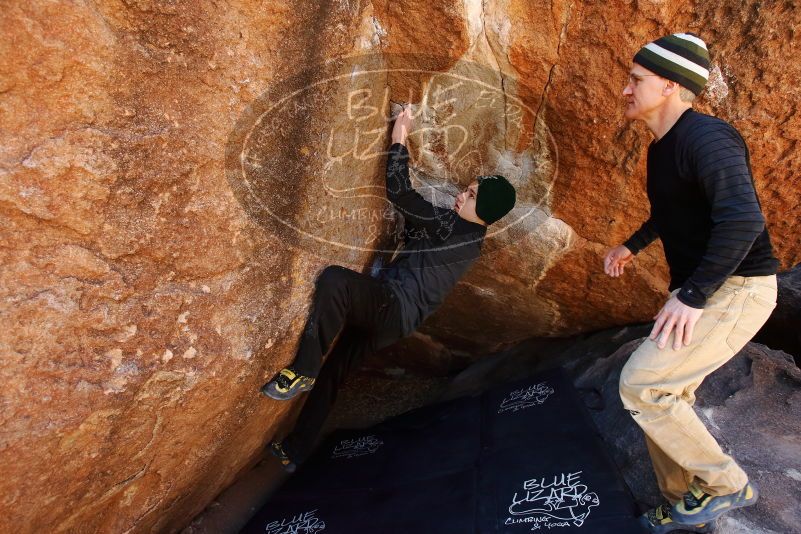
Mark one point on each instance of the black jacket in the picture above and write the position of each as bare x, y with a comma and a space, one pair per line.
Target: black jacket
439, 246
704, 208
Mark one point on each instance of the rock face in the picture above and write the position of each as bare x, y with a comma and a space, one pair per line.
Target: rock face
175, 174
781, 331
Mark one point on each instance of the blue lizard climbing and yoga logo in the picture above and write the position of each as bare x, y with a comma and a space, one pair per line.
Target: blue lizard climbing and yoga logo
553, 501
526, 397
304, 523
318, 178
352, 448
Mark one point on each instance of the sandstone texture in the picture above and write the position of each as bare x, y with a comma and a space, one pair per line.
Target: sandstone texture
782, 329
174, 174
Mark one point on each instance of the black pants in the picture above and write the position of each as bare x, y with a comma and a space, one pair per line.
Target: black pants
366, 316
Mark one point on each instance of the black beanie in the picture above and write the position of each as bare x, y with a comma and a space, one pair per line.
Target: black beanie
496, 197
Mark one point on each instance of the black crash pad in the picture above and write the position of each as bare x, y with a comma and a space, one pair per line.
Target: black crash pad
518, 458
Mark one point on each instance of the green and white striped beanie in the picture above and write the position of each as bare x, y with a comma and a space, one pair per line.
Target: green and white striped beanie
681, 57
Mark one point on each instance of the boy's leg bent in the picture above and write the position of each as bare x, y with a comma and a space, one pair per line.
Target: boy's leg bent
350, 349
341, 297
353, 345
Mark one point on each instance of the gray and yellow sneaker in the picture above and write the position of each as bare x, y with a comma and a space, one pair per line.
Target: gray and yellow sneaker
277, 450
659, 520
286, 384
700, 507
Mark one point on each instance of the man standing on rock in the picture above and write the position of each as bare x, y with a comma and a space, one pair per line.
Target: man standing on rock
723, 286
353, 314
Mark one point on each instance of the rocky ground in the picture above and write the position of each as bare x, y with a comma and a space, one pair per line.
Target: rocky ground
752, 405
782, 330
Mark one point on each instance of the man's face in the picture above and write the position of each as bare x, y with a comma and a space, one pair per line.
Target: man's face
643, 93
465, 204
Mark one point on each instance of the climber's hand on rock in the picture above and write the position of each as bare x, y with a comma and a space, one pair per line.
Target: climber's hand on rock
675, 315
616, 260
402, 126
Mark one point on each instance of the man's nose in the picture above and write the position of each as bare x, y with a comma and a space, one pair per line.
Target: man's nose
627, 90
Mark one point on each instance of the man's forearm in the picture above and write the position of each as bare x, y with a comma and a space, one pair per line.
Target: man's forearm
642, 237
728, 245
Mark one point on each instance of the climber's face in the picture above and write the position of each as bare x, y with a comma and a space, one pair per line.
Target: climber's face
644, 93
465, 204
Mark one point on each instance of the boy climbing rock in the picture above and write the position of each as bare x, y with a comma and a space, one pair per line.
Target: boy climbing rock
353, 315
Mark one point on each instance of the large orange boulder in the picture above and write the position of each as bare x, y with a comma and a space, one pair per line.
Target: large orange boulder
175, 174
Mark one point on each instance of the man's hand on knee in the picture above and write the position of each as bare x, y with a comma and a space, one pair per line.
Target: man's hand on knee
675, 315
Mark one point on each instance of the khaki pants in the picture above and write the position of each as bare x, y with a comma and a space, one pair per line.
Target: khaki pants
658, 388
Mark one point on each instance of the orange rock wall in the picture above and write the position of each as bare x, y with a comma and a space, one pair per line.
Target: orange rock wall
143, 303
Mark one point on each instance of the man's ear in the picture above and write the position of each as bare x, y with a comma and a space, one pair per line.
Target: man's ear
670, 88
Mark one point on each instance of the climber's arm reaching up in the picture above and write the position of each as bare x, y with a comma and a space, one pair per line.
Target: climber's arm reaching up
416, 210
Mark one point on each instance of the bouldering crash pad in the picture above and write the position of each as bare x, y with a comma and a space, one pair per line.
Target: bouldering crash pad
518, 458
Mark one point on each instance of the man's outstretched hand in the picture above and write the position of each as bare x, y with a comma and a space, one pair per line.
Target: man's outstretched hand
616, 260
675, 314
403, 123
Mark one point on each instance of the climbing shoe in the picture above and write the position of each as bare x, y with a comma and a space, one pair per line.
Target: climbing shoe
659, 521
277, 450
286, 385
700, 507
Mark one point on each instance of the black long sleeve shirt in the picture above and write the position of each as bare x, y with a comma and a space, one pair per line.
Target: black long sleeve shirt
439, 246
704, 208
